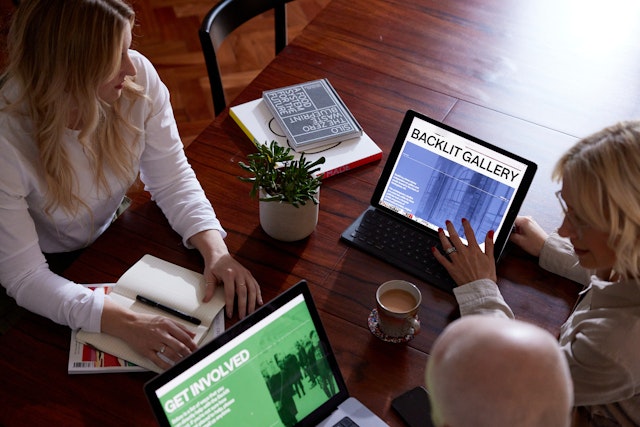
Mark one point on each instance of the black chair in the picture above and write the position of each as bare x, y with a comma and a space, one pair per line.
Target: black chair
221, 20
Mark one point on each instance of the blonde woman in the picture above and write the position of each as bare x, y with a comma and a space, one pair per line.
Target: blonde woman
81, 116
596, 245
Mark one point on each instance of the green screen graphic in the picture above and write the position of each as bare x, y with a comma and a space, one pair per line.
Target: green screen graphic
273, 378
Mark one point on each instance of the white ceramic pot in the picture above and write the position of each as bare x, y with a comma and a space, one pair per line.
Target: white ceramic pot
288, 223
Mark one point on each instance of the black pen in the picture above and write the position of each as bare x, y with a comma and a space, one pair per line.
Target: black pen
177, 313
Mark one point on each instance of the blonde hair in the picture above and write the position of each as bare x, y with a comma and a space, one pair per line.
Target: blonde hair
60, 53
605, 177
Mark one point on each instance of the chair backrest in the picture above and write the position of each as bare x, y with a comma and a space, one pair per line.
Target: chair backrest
221, 20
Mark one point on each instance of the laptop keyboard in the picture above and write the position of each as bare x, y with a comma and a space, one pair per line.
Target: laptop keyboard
346, 422
400, 245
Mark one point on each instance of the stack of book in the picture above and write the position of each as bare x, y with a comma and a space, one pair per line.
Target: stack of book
309, 118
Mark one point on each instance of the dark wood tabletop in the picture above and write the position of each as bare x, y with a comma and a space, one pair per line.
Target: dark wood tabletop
532, 77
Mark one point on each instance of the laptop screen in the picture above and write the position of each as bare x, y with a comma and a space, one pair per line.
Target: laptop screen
436, 173
274, 368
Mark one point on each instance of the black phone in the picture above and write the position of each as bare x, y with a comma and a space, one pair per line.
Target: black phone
414, 407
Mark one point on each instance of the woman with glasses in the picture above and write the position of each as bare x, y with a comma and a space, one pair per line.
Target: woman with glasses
597, 245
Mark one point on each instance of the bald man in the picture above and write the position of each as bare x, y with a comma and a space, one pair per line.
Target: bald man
497, 372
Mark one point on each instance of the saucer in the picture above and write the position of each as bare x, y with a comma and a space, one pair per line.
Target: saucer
375, 330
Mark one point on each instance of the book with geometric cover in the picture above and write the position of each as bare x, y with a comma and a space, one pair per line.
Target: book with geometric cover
311, 114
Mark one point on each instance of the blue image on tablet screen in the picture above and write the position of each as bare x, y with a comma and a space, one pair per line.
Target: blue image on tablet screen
432, 189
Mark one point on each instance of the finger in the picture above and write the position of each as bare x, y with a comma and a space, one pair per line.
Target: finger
256, 297
176, 354
209, 291
518, 231
259, 299
444, 240
469, 233
453, 235
446, 263
177, 343
229, 298
516, 237
158, 357
447, 247
489, 245
440, 258
181, 339
520, 221
241, 291
254, 293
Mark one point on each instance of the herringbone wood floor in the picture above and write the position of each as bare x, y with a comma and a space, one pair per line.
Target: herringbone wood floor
167, 35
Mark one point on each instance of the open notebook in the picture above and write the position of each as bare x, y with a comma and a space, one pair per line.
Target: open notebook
436, 173
273, 368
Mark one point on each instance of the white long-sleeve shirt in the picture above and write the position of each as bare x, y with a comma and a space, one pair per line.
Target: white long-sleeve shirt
26, 231
601, 338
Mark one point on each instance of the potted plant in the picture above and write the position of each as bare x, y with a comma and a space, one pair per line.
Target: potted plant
287, 189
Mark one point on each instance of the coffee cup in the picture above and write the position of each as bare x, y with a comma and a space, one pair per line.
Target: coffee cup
398, 302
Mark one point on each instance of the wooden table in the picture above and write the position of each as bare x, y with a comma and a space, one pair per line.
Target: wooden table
529, 77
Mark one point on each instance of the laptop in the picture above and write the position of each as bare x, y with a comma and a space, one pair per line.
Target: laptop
273, 368
436, 173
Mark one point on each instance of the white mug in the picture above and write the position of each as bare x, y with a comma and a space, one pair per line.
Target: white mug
398, 302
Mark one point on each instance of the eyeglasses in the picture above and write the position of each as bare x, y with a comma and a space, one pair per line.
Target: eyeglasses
576, 223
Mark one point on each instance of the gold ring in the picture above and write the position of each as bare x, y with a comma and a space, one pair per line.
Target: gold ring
451, 250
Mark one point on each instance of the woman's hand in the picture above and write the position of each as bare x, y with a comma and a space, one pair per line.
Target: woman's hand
528, 235
221, 268
237, 280
466, 263
157, 338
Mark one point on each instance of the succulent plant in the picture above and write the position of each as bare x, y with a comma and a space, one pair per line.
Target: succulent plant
282, 178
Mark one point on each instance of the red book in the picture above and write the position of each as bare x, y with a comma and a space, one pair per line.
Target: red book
84, 359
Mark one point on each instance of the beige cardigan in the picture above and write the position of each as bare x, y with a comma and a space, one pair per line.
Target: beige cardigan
601, 337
